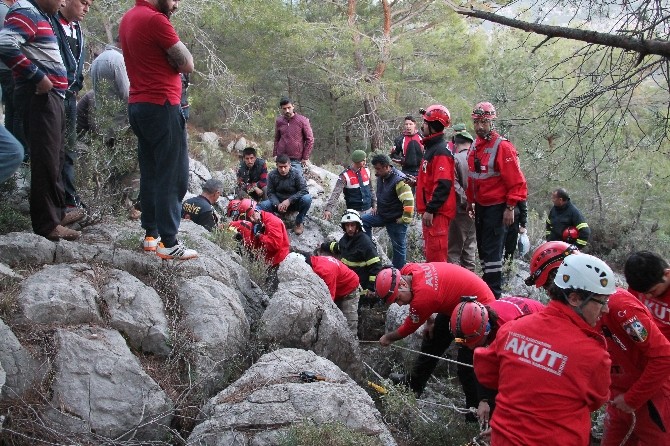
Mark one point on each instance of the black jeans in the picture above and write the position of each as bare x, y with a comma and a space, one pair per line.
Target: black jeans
491, 233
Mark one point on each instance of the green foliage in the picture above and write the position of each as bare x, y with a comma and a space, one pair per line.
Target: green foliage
327, 434
11, 220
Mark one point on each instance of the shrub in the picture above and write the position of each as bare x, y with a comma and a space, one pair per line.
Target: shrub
328, 434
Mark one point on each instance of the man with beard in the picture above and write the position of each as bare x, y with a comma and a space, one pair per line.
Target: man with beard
154, 57
293, 136
495, 186
408, 148
29, 46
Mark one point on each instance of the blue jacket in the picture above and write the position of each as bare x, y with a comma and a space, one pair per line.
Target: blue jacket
74, 63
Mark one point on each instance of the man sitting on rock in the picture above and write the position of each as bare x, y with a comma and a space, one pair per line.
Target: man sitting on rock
287, 191
200, 210
252, 176
342, 283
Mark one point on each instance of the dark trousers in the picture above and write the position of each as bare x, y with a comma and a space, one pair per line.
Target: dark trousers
71, 197
45, 127
511, 240
7, 84
437, 345
491, 233
162, 153
23, 94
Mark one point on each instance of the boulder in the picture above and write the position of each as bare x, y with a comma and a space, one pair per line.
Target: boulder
213, 314
3, 377
301, 314
21, 370
99, 386
7, 273
270, 397
59, 294
197, 175
136, 311
210, 140
26, 248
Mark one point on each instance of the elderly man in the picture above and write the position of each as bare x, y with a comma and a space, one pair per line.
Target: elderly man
154, 57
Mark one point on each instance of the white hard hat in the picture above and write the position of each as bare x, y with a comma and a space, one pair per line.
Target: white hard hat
585, 272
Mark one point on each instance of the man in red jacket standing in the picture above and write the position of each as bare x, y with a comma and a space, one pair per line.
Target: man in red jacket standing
560, 353
640, 356
342, 284
495, 185
435, 195
430, 288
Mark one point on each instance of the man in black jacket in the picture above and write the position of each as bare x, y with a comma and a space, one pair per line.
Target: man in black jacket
287, 191
408, 148
199, 209
252, 176
565, 222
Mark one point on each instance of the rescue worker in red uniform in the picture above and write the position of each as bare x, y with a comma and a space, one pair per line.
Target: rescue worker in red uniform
495, 186
558, 351
476, 325
355, 182
430, 288
269, 233
648, 277
342, 283
435, 195
545, 261
640, 374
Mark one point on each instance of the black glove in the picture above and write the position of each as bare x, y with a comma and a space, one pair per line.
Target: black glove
258, 229
238, 236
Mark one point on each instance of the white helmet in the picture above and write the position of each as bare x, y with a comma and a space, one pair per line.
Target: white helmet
351, 216
585, 272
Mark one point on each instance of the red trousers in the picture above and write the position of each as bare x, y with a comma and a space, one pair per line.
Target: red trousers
436, 239
646, 431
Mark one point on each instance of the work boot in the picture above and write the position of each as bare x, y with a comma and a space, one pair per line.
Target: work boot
73, 216
61, 232
299, 228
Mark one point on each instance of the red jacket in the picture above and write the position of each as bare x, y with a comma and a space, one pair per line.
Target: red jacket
509, 308
498, 180
438, 288
659, 308
341, 281
274, 240
640, 353
435, 184
551, 370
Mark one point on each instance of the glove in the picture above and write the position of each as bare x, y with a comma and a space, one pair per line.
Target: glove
258, 229
238, 236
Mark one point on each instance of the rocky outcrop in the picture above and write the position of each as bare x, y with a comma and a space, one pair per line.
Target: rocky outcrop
301, 314
270, 397
100, 386
21, 370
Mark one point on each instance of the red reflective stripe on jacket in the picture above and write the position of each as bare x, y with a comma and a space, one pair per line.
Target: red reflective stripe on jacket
341, 280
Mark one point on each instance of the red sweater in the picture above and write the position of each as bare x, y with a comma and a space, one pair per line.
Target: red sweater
438, 288
659, 308
551, 370
341, 281
640, 353
509, 308
507, 187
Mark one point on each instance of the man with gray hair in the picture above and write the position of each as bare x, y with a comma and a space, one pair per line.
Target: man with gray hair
199, 209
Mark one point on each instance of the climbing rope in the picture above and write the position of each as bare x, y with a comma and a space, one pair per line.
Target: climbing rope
420, 353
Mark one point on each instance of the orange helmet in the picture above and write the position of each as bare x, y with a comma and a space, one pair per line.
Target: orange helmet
547, 257
438, 113
484, 110
469, 322
246, 206
387, 284
570, 234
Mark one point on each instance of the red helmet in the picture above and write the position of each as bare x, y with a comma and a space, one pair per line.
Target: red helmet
247, 205
570, 234
470, 322
484, 110
438, 113
387, 284
233, 209
547, 257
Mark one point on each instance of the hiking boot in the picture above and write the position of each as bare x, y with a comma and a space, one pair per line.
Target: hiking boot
176, 252
299, 228
61, 232
73, 216
149, 244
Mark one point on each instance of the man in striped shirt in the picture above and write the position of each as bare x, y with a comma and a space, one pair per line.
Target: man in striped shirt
29, 47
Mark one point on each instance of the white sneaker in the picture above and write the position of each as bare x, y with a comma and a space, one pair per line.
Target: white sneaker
176, 252
150, 244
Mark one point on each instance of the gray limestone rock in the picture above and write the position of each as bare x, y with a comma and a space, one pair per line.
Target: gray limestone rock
212, 312
7, 273
26, 248
270, 397
301, 314
59, 294
20, 368
99, 386
136, 311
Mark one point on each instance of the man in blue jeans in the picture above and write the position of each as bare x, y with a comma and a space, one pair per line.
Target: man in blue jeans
11, 154
287, 191
395, 207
